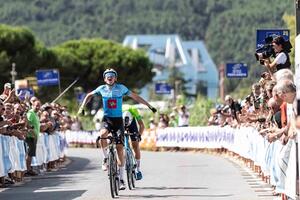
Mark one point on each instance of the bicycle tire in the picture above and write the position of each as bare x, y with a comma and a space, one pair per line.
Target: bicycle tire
133, 175
116, 177
112, 174
128, 170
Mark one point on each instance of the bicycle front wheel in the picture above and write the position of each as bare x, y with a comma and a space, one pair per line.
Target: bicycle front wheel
113, 175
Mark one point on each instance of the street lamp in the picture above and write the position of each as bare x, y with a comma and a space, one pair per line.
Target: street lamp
13, 73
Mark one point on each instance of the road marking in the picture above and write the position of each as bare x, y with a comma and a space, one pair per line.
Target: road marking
3, 189
263, 190
49, 189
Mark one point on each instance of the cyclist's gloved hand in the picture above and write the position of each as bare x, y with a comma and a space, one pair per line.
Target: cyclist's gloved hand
153, 109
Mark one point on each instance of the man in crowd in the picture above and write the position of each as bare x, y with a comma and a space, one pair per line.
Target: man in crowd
234, 109
6, 91
31, 138
183, 117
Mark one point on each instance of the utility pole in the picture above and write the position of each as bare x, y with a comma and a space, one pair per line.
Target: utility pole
13, 73
297, 69
297, 6
221, 79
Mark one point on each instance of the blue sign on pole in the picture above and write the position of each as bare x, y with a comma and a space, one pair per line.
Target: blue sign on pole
25, 92
162, 88
236, 70
47, 77
261, 34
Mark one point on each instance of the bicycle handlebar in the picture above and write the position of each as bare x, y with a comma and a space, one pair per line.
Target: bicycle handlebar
110, 138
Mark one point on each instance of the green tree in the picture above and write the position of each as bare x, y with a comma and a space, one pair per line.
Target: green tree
228, 27
88, 58
18, 45
200, 111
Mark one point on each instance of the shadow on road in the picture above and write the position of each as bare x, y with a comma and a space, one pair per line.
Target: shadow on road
50, 185
176, 196
65, 195
149, 196
79, 165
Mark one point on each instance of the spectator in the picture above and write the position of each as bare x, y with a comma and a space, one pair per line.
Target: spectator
213, 119
256, 95
32, 136
76, 124
183, 117
173, 120
163, 121
152, 124
234, 109
6, 91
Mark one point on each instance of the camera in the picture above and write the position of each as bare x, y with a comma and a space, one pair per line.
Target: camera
266, 51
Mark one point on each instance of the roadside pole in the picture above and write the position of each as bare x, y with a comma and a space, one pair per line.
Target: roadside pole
297, 78
61, 94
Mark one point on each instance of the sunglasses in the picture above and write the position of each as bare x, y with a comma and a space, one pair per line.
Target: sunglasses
110, 75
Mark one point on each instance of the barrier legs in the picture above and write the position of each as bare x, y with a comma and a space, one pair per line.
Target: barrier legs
2, 182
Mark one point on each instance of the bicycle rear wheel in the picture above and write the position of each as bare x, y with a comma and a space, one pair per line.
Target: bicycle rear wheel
133, 175
130, 170
114, 190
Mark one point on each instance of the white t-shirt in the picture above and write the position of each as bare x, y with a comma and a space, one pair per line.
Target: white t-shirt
280, 58
183, 119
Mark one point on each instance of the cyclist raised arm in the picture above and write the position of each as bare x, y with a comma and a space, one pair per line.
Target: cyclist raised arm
142, 101
112, 98
132, 95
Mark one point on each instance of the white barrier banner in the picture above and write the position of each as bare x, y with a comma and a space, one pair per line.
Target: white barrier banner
195, 137
12, 152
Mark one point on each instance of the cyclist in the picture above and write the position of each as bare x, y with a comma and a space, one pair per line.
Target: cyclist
112, 95
131, 117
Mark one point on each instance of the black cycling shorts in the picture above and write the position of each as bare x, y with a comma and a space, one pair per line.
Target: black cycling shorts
115, 126
133, 129
31, 146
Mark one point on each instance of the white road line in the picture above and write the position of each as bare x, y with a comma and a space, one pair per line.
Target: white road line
49, 189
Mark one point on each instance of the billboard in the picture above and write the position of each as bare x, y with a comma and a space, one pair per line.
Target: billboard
236, 70
261, 34
162, 88
47, 77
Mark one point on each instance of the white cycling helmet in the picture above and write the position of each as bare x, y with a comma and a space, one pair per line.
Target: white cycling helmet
127, 118
110, 71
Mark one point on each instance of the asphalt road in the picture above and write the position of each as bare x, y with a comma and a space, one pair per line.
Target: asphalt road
167, 175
